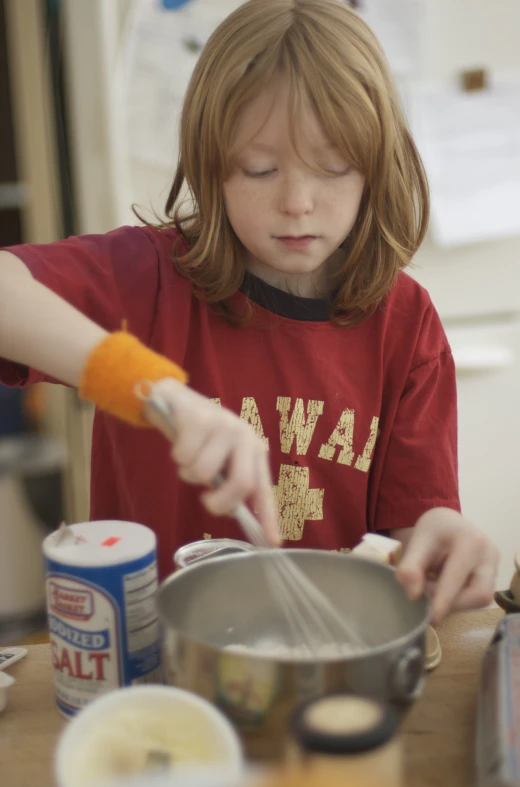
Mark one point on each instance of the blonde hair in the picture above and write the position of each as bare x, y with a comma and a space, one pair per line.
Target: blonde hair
335, 65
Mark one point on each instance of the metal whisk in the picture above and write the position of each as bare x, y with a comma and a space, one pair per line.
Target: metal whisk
313, 620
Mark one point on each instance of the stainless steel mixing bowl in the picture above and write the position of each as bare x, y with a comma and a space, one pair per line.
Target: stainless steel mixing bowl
228, 601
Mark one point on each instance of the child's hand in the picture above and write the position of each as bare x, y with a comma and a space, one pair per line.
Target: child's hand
451, 559
210, 440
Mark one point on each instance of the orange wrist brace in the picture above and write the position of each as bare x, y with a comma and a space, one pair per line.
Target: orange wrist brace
114, 369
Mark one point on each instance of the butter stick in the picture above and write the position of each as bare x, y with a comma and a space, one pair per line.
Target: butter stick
381, 548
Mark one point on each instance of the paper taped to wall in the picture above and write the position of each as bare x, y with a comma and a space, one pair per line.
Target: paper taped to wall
160, 49
398, 24
470, 144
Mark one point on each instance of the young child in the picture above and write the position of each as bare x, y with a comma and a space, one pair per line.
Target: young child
315, 365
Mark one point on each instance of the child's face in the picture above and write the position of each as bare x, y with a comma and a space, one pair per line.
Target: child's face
290, 218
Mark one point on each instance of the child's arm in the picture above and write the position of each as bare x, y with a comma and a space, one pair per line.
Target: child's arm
41, 330
38, 328
450, 558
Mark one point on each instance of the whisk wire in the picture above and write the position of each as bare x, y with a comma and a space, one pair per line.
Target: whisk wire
295, 590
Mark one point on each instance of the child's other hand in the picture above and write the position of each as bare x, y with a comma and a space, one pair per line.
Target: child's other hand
210, 440
449, 558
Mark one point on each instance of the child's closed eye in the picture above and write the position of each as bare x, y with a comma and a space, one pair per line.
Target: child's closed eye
259, 173
339, 173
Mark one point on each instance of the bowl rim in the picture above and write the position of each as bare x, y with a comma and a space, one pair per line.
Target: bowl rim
116, 698
371, 651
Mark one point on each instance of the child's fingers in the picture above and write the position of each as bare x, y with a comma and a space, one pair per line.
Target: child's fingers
265, 502
480, 588
468, 576
210, 441
211, 459
451, 560
457, 569
189, 443
416, 561
241, 479
413, 581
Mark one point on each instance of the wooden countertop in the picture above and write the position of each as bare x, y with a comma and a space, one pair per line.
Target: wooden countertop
438, 733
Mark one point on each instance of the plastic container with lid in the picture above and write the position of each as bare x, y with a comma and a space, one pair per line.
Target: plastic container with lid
349, 739
139, 731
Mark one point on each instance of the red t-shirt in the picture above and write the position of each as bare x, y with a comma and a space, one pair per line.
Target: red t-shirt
360, 422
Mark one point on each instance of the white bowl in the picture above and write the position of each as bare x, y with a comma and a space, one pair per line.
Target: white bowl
108, 740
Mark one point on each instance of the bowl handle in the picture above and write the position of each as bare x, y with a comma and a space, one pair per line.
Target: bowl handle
407, 676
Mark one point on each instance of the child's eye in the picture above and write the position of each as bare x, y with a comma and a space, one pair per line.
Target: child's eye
260, 174
339, 173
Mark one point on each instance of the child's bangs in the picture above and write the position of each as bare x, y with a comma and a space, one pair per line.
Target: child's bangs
347, 116
351, 127
259, 77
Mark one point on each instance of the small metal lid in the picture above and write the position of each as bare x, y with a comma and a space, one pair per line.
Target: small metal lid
342, 724
212, 547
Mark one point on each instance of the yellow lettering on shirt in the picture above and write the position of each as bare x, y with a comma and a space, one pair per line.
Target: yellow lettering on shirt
250, 415
343, 435
363, 461
296, 502
297, 426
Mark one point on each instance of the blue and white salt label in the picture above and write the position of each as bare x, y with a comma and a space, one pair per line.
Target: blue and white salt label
103, 623
83, 652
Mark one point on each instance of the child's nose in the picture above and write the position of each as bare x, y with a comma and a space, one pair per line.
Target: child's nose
296, 197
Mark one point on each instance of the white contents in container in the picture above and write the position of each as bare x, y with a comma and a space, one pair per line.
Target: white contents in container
101, 584
145, 729
280, 651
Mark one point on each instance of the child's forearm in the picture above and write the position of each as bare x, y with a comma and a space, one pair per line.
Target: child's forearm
38, 328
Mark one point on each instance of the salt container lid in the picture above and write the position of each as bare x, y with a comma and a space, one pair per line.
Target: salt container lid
99, 543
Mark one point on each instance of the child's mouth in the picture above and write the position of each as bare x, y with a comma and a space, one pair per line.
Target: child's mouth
297, 242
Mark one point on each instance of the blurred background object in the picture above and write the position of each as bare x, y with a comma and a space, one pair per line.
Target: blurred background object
36, 489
